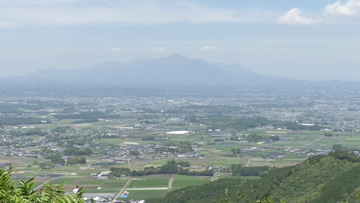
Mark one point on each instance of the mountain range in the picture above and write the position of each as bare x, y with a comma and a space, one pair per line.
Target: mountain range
174, 71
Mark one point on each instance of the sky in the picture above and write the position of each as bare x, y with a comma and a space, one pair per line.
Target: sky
307, 39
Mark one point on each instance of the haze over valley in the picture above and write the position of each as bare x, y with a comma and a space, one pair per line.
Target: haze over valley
154, 101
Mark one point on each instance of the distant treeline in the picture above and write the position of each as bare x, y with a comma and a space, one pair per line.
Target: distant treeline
74, 151
8, 109
240, 123
296, 126
90, 120
236, 123
239, 170
182, 147
29, 132
8, 120
171, 167
90, 116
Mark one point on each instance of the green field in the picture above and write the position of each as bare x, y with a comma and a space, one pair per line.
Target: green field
150, 182
66, 180
146, 194
181, 181
107, 186
102, 182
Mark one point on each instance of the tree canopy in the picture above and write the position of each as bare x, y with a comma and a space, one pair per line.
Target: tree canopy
25, 193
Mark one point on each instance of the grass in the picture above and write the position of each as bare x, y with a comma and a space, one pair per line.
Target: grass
107, 186
99, 182
66, 180
146, 194
238, 177
181, 181
150, 182
37, 184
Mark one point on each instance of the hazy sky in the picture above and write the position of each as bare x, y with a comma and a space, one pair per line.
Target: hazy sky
307, 39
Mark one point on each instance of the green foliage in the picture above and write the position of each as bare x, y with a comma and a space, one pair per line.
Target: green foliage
74, 151
61, 129
76, 160
236, 152
233, 123
199, 194
46, 165
325, 178
296, 126
35, 131
148, 138
182, 147
354, 197
134, 153
25, 193
344, 183
345, 155
117, 172
90, 116
57, 159
337, 146
328, 134
256, 138
8, 120
238, 170
171, 167
242, 198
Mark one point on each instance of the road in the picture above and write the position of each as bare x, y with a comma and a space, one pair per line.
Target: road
314, 141
42, 185
248, 162
122, 190
171, 181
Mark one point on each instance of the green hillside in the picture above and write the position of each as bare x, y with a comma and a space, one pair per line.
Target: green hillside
325, 178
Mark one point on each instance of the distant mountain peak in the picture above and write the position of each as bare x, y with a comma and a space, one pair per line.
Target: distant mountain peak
176, 57
174, 70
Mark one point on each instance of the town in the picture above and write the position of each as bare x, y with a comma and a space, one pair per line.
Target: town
131, 148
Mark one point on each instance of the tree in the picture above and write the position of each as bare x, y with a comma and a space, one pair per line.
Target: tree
73, 151
57, 159
76, 160
337, 146
135, 153
275, 138
118, 172
328, 134
46, 165
25, 193
236, 151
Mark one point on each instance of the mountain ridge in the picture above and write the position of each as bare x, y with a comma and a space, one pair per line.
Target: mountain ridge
174, 70
167, 73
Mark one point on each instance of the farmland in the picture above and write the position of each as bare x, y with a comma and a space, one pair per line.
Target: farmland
82, 139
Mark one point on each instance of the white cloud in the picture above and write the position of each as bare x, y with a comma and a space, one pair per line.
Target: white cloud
208, 48
116, 49
159, 50
349, 8
6, 23
294, 17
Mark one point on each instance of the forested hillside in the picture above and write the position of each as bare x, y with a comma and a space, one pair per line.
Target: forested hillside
325, 178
